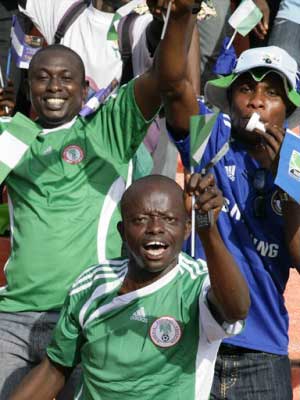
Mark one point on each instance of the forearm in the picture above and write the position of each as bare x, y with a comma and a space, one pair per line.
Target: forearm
193, 63
291, 217
43, 382
170, 63
229, 292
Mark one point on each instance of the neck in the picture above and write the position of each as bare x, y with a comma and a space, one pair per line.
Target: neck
138, 278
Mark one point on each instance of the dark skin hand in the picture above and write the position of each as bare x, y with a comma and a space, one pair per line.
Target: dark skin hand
7, 99
224, 307
261, 29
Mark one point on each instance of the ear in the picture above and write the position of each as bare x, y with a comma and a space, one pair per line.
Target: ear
85, 91
120, 227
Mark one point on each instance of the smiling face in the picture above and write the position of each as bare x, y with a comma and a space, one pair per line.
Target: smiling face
267, 98
57, 86
154, 224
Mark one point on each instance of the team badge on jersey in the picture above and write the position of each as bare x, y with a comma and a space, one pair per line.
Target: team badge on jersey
276, 203
165, 332
73, 154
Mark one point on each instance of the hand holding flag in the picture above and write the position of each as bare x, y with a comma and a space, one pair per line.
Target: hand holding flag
246, 16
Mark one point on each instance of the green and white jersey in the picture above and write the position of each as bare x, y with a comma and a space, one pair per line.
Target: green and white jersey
63, 199
158, 342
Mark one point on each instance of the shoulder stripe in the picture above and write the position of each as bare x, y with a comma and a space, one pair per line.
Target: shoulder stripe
95, 277
92, 271
100, 291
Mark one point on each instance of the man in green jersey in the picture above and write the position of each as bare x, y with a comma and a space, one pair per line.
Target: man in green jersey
65, 178
148, 327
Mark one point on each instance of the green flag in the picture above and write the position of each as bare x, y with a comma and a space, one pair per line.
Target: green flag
245, 17
200, 131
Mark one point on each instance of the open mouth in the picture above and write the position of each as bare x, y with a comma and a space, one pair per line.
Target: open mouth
155, 248
55, 103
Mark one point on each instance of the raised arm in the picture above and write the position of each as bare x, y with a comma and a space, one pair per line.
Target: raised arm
43, 382
167, 80
229, 294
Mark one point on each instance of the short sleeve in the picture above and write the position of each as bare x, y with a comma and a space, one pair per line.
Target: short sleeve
67, 338
210, 327
118, 127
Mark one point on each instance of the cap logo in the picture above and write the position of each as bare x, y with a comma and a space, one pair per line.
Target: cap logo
271, 59
73, 154
165, 332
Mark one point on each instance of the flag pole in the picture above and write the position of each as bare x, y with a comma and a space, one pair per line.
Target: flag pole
2, 85
193, 227
232, 39
166, 20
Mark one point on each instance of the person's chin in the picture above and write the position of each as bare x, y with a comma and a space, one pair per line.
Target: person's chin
54, 119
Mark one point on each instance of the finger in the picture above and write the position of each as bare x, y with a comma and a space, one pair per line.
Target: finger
192, 183
210, 199
258, 33
261, 28
199, 183
266, 19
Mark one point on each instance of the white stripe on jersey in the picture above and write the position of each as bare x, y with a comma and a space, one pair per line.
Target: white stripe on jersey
227, 123
125, 299
105, 275
90, 273
79, 394
200, 269
100, 291
110, 204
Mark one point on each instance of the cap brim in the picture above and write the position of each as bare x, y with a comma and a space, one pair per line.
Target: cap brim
216, 90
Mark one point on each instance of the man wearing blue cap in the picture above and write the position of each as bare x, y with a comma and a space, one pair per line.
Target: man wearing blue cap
259, 223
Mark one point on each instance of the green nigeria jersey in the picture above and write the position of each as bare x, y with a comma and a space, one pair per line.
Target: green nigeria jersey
158, 342
63, 197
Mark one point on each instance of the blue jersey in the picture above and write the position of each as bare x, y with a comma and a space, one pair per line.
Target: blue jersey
256, 242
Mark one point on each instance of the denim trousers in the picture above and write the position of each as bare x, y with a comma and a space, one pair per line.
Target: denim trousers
24, 337
252, 376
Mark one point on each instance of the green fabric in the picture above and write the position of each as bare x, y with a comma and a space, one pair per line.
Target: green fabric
118, 357
200, 130
4, 218
65, 195
23, 128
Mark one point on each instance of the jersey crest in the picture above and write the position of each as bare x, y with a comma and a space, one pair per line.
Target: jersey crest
165, 332
276, 203
73, 154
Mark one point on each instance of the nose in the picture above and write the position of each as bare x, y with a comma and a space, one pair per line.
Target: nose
155, 225
54, 84
256, 100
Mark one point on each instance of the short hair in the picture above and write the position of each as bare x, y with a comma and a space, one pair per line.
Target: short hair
62, 48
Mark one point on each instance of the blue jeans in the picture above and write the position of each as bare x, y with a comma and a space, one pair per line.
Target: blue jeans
252, 376
24, 337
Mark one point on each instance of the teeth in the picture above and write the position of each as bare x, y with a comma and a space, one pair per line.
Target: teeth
155, 244
55, 101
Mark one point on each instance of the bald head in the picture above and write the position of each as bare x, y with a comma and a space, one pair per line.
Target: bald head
148, 185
